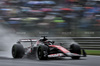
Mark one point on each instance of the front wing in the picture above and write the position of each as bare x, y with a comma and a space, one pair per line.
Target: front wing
66, 53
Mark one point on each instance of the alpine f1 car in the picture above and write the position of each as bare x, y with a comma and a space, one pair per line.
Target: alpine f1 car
44, 49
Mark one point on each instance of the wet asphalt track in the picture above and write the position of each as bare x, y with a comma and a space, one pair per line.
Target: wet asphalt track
88, 61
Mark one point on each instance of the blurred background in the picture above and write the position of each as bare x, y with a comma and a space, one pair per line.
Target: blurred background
78, 19
58, 18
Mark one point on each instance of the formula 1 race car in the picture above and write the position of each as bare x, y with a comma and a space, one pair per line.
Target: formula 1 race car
44, 49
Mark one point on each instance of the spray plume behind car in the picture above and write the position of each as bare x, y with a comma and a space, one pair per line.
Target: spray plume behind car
7, 39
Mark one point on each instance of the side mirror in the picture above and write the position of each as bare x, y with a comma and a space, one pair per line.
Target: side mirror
53, 42
61, 43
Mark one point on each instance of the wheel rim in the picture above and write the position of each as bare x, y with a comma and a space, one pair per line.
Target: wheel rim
39, 54
14, 52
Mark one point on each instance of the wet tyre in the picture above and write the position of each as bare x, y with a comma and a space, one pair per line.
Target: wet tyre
75, 49
42, 53
17, 51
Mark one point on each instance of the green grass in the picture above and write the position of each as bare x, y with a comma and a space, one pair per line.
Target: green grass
93, 52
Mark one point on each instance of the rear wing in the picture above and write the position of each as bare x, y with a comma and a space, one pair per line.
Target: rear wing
27, 40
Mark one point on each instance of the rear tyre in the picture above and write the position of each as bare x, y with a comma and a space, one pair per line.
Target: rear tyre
17, 51
42, 53
75, 49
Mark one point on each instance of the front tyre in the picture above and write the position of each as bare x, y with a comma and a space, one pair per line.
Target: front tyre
75, 49
17, 51
42, 53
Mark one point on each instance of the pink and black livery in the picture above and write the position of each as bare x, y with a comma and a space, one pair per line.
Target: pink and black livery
44, 49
